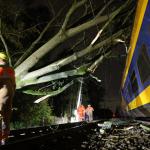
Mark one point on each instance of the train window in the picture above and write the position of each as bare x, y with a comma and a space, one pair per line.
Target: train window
134, 83
125, 93
143, 63
129, 90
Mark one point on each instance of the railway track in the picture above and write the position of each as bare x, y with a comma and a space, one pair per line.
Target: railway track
100, 134
49, 137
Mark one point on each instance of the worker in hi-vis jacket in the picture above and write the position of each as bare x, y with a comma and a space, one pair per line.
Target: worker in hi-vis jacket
7, 90
81, 113
89, 112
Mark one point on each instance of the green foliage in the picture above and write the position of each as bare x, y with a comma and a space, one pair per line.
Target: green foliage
17, 125
82, 70
36, 92
37, 114
30, 114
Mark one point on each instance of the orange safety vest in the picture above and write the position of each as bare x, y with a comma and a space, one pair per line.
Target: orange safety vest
81, 111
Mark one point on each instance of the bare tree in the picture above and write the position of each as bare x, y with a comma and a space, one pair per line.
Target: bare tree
97, 48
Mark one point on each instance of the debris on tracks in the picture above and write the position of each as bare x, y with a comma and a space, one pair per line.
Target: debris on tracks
119, 135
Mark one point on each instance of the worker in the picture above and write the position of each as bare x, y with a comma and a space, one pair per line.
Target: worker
89, 112
7, 90
81, 113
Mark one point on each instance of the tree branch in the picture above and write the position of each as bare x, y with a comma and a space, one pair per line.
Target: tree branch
74, 6
102, 10
79, 17
57, 65
77, 43
23, 68
76, 72
108, 22
48, 94
128, 15
4, 43
93, 67
51, 8
51, 44
29, 50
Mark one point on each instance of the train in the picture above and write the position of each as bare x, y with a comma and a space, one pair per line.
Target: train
135, 87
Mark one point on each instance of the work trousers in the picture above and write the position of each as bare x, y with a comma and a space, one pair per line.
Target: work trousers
7, 91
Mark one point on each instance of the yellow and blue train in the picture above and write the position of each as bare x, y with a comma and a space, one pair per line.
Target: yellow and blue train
135, 89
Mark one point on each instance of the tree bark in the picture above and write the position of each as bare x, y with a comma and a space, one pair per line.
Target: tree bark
31, 77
